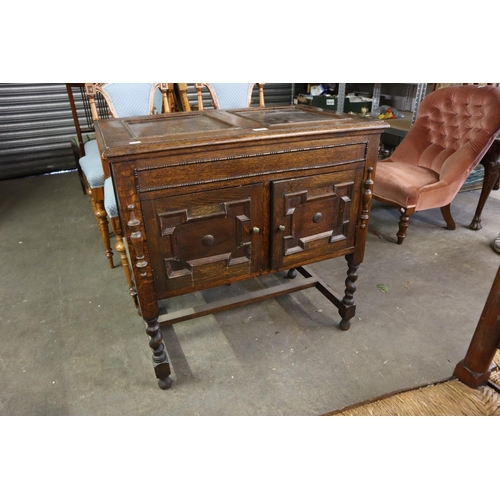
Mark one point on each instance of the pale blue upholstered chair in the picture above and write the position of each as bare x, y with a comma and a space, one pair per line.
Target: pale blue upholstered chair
84, 125
123, 100
229, 95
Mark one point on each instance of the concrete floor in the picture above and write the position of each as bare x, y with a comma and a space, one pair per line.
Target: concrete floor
72, 343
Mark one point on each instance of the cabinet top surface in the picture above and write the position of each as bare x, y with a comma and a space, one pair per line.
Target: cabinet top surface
129, 136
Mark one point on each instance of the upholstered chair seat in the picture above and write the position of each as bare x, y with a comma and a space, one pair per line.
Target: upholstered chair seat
122, 100
85, 139
110, 198
90, 147
402, 183
125, 100
455, 127
92, 166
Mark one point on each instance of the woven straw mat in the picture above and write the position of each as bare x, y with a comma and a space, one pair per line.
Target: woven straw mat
451, 398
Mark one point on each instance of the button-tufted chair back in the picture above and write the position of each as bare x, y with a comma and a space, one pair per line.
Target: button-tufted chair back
455, 127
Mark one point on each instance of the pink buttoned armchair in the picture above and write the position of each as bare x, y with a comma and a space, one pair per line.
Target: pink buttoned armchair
454, 128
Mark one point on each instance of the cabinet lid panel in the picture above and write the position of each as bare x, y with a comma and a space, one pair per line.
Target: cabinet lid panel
166, 132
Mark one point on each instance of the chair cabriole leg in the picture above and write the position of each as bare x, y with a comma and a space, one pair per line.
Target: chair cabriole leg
446, 212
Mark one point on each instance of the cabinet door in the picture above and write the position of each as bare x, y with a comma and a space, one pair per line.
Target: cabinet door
205, 238
314, 217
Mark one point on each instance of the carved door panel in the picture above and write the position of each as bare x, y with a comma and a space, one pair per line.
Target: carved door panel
201, 238
314, 217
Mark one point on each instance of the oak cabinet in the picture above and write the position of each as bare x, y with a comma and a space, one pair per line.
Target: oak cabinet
214, 197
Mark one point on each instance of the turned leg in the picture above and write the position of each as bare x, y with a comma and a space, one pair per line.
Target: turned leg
160, 361
120, 248
349, 309
97, 201
148, 304
491, 162
102, 219
446, 212
404, 222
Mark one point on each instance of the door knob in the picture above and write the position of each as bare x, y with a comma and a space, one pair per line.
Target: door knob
256, 230
317, 217
282, 228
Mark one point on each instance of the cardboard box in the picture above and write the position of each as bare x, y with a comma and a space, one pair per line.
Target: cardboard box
331, 102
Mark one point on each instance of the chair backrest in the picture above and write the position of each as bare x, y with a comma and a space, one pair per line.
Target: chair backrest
82, 114
455, 126
182, 96
130, 99
229, 95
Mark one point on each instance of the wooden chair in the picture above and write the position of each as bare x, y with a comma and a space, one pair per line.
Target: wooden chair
84, 124
121, 99
181, 97
472, 390
454, 129
229, 95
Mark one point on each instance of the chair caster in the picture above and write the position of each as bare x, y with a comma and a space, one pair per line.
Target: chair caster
345, 324
496, 244
165, 383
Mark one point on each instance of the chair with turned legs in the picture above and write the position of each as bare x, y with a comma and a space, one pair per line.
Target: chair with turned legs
454, 129
84, 124
121, 99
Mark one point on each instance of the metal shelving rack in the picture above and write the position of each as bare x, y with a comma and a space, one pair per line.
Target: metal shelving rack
377, 87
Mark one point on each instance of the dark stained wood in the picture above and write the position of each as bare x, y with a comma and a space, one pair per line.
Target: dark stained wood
225, 304
475, 369
332, 198
198, 240
404, 222
214, 197
446, 212
78, 149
